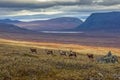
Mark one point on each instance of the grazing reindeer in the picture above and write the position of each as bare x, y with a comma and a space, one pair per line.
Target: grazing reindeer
72, 54
63, 53
49, 52
90, 56
33, 50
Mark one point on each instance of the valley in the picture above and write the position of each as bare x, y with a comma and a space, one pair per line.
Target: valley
59, 40
87, 39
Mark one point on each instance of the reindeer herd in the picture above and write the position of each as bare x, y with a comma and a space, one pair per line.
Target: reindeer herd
62, 53
109, 58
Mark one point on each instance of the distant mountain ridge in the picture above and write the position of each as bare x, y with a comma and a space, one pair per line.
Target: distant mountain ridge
4, 27
60, 23
9, 21
101, 22
107, 22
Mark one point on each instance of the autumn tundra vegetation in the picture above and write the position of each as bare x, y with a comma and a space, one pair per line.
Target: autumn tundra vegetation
29, 62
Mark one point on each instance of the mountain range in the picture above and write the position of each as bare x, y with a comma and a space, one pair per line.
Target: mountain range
61, 23
107, 22
101, 22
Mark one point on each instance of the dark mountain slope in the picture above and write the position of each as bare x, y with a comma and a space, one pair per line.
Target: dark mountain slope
12, 28
102, 22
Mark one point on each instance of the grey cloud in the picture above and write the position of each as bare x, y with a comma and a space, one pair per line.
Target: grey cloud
109, 2
24, 5
35, 4
32, 4
11, 7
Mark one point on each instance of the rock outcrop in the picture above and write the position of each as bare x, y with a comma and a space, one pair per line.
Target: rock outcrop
109, 58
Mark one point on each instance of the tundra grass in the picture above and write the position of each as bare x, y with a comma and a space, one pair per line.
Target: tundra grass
18, 63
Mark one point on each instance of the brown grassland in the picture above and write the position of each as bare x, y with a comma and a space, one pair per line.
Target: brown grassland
18, 63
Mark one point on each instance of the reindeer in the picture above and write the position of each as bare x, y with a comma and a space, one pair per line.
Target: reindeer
63, 53
49, 52
33, 50
90, 56
72, 54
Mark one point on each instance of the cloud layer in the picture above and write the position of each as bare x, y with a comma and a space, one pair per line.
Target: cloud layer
48, 8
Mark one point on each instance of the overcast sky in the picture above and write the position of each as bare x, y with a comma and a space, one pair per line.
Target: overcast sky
45, 9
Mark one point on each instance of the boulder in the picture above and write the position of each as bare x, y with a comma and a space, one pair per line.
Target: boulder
109, 58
